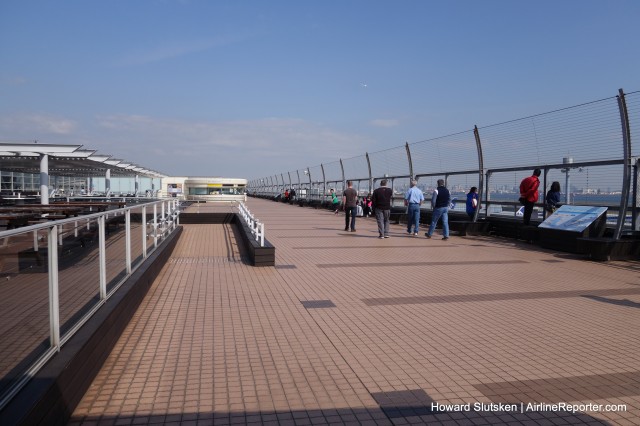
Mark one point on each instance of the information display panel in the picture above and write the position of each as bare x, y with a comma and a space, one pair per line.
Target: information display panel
573, 218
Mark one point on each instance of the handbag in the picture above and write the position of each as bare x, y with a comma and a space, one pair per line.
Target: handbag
522, 200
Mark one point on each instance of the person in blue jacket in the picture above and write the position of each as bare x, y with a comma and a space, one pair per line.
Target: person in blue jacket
472, 202
552, 200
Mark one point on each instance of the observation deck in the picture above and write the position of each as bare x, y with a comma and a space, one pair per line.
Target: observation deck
351, 329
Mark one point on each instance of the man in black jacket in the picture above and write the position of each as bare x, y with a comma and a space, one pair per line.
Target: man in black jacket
381, 202
440, 202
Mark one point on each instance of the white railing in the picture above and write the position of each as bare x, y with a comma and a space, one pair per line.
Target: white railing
97, 260
256, 227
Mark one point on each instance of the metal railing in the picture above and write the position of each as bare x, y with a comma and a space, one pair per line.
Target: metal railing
81, 262
588, 147
256, 227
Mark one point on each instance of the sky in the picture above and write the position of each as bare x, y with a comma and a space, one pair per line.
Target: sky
246, 89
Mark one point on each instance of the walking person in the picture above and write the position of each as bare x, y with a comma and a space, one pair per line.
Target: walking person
413, 200
472, 202
440, 201
349, 203
335, 201
381, 202
529, 194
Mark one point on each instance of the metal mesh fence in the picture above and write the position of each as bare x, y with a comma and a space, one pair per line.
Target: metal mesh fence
446, 154
580, 147
356, 168
586, 132
390, 162
633, 109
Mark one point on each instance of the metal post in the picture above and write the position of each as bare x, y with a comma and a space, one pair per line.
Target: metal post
102, 258
54, 299
324, 183
487, 197
476, 134
366, 154
406, 145
626, 175
155, 225
636, 196
127, 225
344, 183
544, 192
144, 232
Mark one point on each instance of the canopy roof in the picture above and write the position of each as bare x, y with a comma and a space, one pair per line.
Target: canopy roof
67, 160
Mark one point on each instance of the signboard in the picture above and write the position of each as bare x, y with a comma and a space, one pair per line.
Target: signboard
214, 185
174, 188
573, 218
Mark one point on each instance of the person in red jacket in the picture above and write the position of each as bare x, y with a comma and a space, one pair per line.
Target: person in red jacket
529, 194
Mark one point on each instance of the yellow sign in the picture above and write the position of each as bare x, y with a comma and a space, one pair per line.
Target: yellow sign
214, 185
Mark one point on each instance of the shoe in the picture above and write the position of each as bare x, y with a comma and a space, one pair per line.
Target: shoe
381, 237
409, 232
353, 230
445, 238
426, 234
415, 235
386, 236
346, 229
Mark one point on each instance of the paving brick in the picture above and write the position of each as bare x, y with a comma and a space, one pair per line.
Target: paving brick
348, 319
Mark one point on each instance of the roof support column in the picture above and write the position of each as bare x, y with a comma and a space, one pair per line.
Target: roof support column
137, 187
107, 183
44, 179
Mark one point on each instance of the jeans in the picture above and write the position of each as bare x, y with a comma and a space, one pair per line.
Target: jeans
350, 212
413, 217
382, 217
439, 212
528, 210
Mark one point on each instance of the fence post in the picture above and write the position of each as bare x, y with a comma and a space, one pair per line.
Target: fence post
636, 195
54, 296
487, 197
144, 232
406, 145
476, 134
370, 176
626, 175
102, 256
127, 230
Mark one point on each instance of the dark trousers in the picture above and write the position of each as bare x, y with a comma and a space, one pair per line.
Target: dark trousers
350, 214
528, 209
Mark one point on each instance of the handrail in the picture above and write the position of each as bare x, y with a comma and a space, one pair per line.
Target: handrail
161, 227
255, 226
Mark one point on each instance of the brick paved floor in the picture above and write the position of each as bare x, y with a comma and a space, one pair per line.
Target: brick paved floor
351, 329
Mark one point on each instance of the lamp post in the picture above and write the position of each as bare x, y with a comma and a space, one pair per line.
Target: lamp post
567, 180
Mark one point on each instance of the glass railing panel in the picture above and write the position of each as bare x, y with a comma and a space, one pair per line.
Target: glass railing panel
78, 270
115, 246
137, 236
150, 229
24, 304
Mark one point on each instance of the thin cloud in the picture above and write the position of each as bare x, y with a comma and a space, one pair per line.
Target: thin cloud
174, 49
242, 145
381, 122
37, 124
